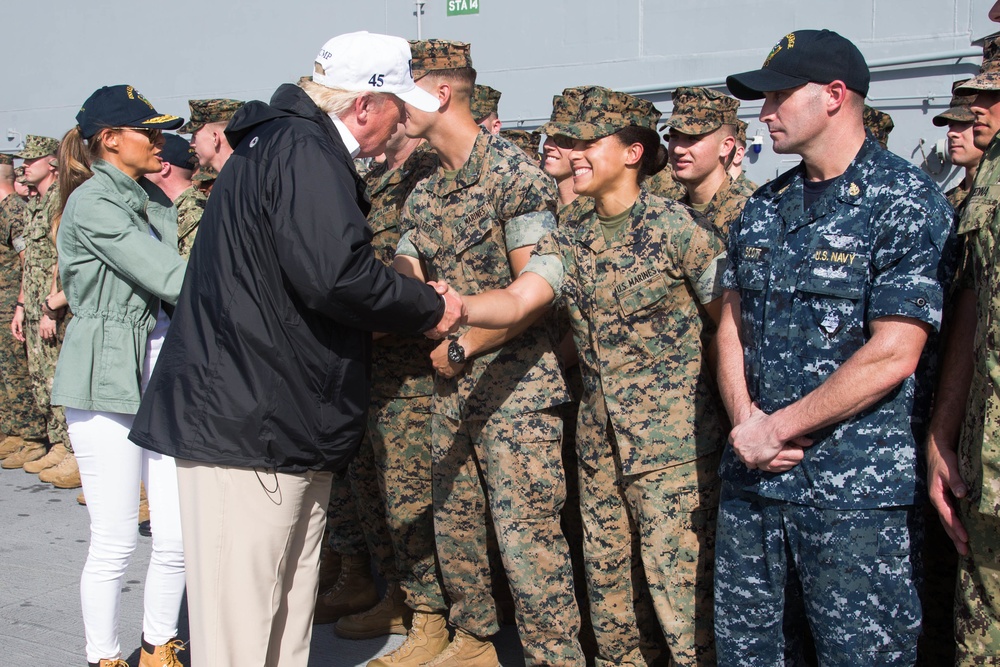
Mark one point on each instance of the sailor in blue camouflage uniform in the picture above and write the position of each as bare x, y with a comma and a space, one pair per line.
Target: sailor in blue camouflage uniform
831, 291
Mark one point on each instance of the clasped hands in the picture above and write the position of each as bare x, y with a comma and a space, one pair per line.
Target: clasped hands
757, 443
455, 313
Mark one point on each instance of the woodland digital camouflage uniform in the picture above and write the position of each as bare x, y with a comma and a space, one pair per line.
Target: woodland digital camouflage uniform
699, 111
809, 284
19, 413
37, 273
650, 428
649, 418
391, 476
485, 101
500, 411
879, 124
527, 141
190, 207
977, 610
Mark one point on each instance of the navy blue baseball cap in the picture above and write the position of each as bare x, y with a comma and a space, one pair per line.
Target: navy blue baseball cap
177, 151
804, 56
121, 106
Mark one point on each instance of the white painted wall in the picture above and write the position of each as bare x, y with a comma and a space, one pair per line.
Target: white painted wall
61, 50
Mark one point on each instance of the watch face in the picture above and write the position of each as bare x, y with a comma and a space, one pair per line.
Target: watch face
456, 353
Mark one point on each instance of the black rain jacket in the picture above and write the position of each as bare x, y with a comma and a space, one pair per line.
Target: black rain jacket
266, 363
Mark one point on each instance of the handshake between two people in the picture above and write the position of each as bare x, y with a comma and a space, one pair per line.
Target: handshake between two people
455, 313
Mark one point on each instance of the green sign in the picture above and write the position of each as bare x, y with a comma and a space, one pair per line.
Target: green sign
460, 7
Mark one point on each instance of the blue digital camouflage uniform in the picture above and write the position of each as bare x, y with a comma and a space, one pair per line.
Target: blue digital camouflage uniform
809, 284
495, 427
650, 422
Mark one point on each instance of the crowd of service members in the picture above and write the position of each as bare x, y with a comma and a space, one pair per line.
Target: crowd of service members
657, 437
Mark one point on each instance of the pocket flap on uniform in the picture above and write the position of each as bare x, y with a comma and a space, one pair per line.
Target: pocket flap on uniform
644, 295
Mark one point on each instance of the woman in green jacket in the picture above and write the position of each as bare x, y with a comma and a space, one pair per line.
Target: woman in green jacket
117, 241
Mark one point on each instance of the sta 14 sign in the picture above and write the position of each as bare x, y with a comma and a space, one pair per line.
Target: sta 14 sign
460, 7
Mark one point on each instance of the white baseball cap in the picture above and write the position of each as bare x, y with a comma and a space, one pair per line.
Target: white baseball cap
365, 61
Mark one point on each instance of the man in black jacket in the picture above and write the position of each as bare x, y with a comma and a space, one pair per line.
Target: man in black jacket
262, 384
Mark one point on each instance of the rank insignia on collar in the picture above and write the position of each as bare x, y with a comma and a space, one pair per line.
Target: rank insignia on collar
854, 190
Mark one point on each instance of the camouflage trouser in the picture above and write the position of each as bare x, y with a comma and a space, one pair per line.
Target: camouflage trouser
937, 593
42, 358
854, 571
675, 510
513, 462
621, 610
977, 599
343, 522
370, 502
19, 413
399, 432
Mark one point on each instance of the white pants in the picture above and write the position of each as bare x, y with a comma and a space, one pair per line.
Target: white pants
253, 539
111, 467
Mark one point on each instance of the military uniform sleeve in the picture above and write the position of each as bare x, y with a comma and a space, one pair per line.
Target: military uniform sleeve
405, 246
700, 254
911, 235
728, 278
528, 205
547, 260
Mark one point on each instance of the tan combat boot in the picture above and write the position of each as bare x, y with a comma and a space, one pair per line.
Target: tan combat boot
164, 655
66, 475
57, 453
81, 499
329, 568
353, 592
466, 650
30, 451
109, 662
390, 616
143, 504
428, 636
10, 444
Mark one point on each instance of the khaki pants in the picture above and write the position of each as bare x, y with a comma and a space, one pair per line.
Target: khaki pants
252, 540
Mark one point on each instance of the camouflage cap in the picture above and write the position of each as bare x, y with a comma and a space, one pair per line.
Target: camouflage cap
525, 140
36, 146
879, 124
6, 158
702, 110
741, 131
19, 174
209, 111
430, 55
603, 112
565, 109
989, 72
484, 102
205, 174
958, 109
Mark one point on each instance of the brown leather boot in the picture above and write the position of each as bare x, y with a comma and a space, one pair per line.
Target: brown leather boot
109, 662
329, 568
57, 453
66, 475
10, 444
353, 592
164, 655
466, 650
81, 499
30, 451
390, 616
428, 636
